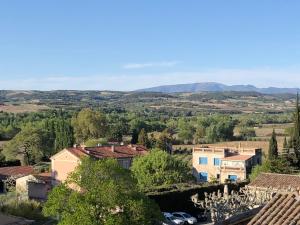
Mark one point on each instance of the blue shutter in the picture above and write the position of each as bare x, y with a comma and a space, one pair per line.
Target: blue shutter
232, 177
216, 162
203, 176
203, 160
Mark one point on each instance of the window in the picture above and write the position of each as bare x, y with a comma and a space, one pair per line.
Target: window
218, 176
203, 176
217, 162
203, 160
232, 177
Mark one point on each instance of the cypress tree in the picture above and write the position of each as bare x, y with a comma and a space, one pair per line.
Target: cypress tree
143, 138
273, 146
285, 144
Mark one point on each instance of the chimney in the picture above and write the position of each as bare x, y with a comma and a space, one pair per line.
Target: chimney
113, 148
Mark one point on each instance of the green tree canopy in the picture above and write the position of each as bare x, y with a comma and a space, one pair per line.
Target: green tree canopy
164, 141
278, 165
30, 145
89, 124
158, 168
108, 196
185, 130
143, 138
273, 146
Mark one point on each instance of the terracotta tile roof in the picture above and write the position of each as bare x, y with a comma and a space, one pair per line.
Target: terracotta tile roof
276, 181
121, 151
16, 170
283, 209
238, 157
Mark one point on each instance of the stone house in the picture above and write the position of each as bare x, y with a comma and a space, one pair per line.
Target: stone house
222, 164
65, 161
34, 186
13, 172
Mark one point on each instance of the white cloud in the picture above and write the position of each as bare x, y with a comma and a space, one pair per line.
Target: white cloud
150, 64
261, 77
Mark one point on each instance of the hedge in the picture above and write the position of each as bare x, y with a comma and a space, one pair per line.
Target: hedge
180, 199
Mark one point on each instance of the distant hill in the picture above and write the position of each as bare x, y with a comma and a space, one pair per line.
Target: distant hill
217, 87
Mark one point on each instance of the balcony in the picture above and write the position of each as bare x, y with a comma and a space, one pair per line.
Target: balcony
232, 168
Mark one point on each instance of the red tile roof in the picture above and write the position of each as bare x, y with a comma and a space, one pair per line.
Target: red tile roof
16, 170
238, 157
276, 181
128, 151
283, 209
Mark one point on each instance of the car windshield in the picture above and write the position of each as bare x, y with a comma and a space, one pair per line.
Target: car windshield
186, 215
172, 218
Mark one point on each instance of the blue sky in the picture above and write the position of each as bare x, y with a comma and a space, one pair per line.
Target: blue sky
126, 45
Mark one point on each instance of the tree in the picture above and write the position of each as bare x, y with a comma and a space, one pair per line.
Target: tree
64, 136
143, 138
164, 141
278, 165
106, 194
89, 124
246, 133
285, 144
186, 130
60, 132
158, 168
199, 134
30, 145
273, 146
136, 125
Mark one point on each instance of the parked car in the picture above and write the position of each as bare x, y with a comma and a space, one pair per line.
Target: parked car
170, 218
187, 218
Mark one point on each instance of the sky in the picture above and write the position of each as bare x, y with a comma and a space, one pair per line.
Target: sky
132, 44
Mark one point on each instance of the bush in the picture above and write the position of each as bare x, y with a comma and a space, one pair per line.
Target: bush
29, 209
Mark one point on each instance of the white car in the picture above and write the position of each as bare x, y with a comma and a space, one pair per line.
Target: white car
169, 217
185, 217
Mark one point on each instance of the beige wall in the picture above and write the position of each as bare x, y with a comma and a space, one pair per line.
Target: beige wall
32, 188
62, 164
209, 168
239, 168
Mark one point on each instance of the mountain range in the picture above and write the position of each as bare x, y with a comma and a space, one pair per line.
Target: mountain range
217, 87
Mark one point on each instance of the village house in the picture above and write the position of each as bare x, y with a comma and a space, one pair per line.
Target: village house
65, 161
34, 186
222, 163
12, 173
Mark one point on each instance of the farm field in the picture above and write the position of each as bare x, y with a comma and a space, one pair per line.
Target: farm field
262, 140
22, 108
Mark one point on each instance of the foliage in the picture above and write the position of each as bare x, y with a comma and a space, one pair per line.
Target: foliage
60, 132
107, 195
31, 145
143, 138
158, 168
278, 165
29, 209
273, 146
186, 130
246, 133
164, 141
95, 142
89, 124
